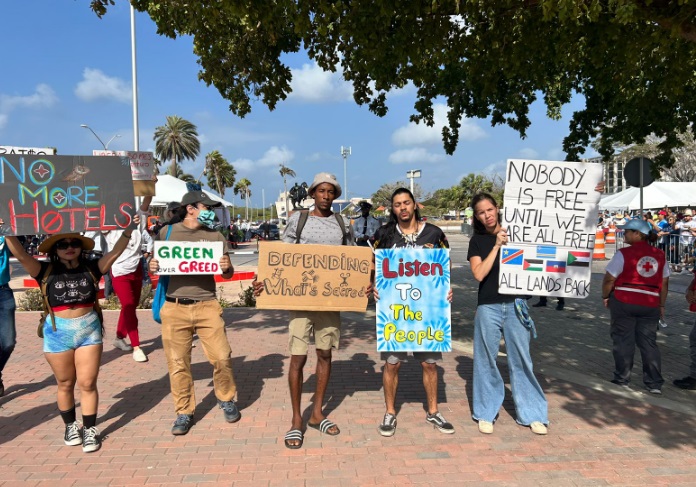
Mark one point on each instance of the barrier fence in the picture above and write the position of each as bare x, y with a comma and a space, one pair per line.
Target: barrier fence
680, 251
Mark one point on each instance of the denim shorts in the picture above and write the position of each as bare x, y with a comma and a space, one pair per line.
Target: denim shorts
72, 333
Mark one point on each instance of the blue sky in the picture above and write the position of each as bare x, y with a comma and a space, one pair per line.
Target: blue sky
65, 67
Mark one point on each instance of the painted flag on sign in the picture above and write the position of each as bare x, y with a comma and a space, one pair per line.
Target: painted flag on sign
512, 256
533, 265
555, 266
578, 259
546, 252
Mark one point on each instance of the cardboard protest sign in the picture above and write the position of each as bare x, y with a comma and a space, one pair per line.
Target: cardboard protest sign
313, 277
142, 169
44, 194
550, 211
188, 257
413, 313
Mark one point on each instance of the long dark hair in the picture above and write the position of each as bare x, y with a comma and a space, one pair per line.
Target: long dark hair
391, 231
479, 227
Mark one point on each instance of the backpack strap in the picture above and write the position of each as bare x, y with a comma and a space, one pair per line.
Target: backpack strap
341, 224
47, 308
304, 214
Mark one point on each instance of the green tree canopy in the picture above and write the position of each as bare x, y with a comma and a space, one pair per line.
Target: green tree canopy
176, 141
633, 61
219, 172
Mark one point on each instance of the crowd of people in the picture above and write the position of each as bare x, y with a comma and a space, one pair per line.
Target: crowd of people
634, 289
676, 232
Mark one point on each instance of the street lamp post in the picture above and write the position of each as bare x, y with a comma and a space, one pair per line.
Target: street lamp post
345, 152
105, 146
414, 173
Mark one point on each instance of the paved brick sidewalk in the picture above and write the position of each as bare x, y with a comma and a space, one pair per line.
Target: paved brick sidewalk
597, 437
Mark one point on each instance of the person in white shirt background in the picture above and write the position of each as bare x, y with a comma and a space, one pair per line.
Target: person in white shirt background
127, 280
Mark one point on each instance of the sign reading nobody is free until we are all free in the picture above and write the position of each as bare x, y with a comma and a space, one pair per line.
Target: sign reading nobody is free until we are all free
413, 313
550, 214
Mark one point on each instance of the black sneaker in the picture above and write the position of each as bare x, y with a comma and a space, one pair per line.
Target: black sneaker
2, 389
183, 424
560, 306
73, 434
688, 383
231, 411
90, 439
388, 426
619, 383
439, 421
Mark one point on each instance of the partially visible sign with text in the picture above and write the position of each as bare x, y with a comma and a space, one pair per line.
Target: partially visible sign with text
550, 214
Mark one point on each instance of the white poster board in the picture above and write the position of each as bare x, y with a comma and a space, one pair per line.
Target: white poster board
550, 212
188, 257
142, 163
30, 151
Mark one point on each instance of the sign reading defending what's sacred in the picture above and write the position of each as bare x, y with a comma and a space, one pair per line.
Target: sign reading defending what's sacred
313, 277
188, 257
413, 313
550, 213
45, 194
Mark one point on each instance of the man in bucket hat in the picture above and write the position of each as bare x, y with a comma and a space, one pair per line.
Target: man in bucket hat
317, 226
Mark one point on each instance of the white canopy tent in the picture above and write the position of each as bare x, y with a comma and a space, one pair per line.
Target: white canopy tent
657, 195
169, 188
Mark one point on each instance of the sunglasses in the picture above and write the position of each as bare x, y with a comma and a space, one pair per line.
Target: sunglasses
64, 244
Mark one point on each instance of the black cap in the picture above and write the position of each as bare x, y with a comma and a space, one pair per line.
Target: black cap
199, 196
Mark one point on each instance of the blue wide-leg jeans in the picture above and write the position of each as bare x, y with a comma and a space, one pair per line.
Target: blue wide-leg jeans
492, 322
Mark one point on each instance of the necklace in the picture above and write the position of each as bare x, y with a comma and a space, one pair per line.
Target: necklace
410, 238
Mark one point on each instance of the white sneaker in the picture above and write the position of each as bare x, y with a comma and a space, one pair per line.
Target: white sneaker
139, 355
122, 344
485, 427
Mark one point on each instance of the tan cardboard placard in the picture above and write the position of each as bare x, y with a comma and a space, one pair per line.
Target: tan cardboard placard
313, 277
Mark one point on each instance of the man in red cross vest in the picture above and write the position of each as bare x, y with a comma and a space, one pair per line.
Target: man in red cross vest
635, 289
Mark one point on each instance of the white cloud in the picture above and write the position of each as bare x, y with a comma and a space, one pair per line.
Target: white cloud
415, 155
529, 153
96, 85
496, 168
43, 97
422, 134
273, 157
556, 155
312, 84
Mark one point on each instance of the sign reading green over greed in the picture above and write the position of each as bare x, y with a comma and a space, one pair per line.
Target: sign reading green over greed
413, 314
188, 257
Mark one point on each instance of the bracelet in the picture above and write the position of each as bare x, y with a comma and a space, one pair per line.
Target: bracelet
127, 237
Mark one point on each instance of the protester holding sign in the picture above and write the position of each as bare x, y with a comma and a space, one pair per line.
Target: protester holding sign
499, 315
72, 331
192, 307
406, 230
127, 281
318, 226
635, 290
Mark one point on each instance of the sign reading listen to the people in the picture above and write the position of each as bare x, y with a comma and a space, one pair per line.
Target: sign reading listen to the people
550, 211
45, 194
188, 257
413, 313
313, 277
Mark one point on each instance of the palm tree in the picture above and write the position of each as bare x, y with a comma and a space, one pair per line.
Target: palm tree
284, 172
176, 140
220, 173
242, 189
185, 177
